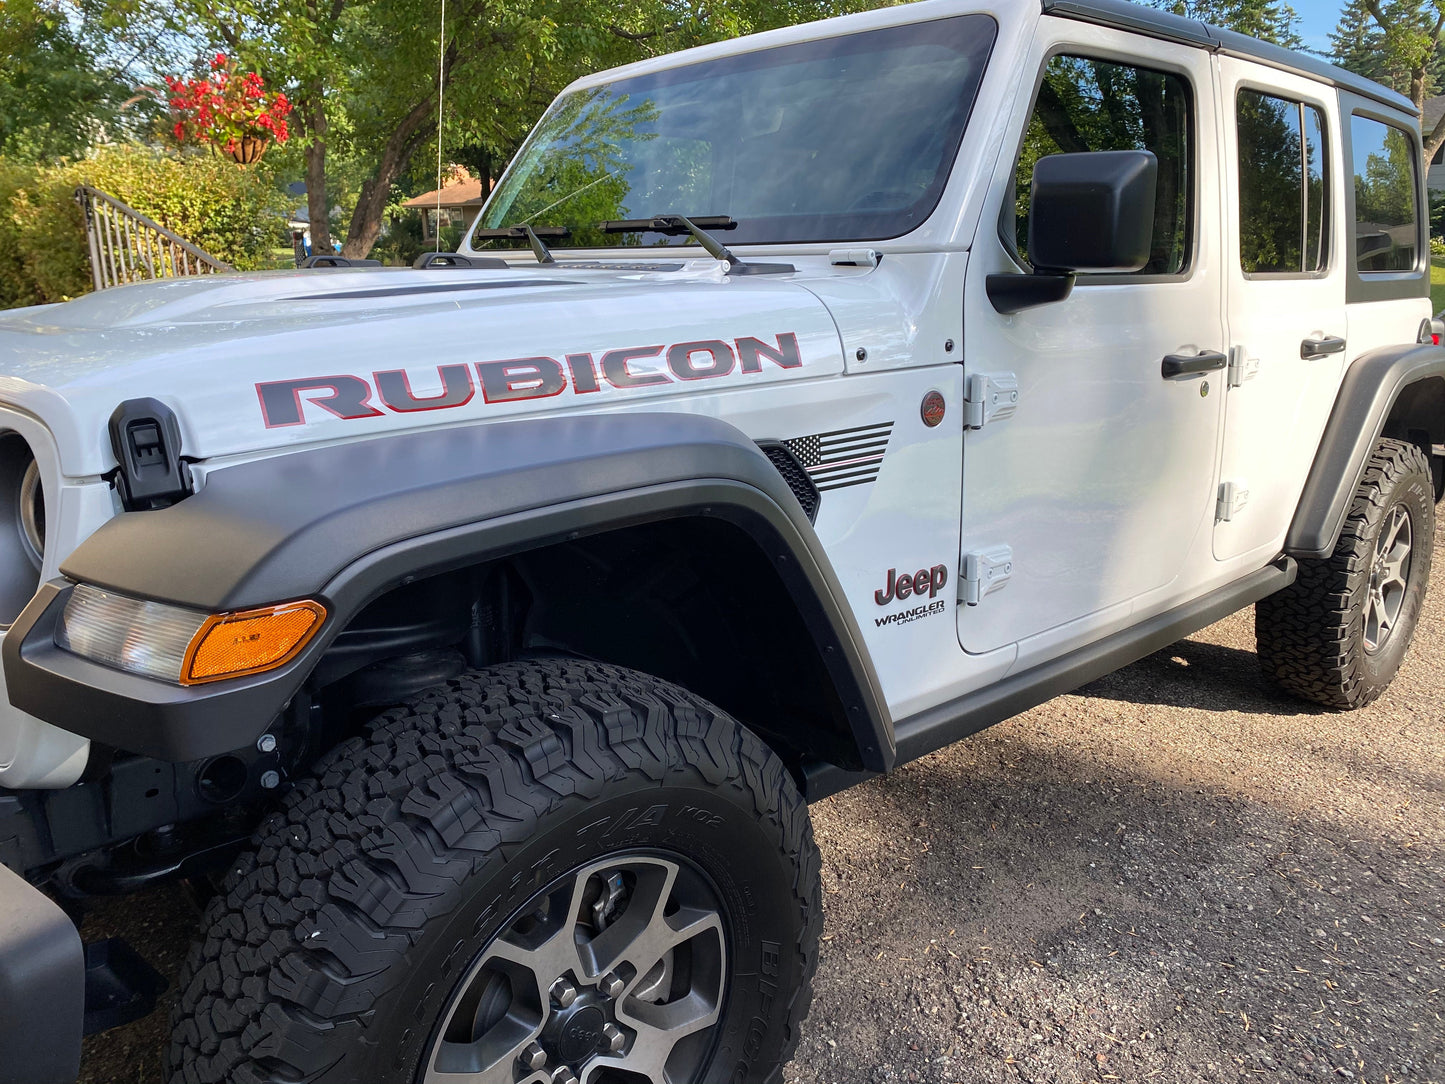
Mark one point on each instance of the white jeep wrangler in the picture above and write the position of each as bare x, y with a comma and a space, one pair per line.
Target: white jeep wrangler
796, 406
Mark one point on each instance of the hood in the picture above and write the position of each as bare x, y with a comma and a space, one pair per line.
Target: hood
255, 361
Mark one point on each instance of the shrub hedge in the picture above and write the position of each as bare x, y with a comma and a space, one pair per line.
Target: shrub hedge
237, 215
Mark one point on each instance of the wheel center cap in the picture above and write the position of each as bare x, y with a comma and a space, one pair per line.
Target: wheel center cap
576, 1033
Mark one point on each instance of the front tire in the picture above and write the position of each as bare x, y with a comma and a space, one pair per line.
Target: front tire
538, 871
1338, 634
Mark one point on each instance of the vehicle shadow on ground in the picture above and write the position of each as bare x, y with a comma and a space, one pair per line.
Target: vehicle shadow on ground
1030, 916
1194, 674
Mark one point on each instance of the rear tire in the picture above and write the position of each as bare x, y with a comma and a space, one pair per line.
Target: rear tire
401, 920
1338, 634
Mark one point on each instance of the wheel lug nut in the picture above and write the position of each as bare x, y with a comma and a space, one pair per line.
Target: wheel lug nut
563, 993
563, 1075
533, 1056
612, 985
614, 1036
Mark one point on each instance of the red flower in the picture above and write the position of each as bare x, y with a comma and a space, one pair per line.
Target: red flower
227, 107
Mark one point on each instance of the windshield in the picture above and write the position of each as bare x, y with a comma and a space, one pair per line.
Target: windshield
844, 139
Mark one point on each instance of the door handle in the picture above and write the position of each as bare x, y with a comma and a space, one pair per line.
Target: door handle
1311, 349
1184, 364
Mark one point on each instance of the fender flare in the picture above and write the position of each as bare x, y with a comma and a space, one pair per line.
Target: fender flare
1372, 386
344, 523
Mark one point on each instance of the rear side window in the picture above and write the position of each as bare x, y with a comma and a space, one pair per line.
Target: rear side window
1387, 210
1096, 105
1283, 219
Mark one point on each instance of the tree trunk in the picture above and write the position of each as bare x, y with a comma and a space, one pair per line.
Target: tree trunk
371, 204
317, 210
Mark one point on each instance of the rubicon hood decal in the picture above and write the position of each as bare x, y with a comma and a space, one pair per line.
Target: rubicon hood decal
347, 396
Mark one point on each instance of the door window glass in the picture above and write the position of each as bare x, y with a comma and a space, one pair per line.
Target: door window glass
1282, 213
1096, 105
1386, 196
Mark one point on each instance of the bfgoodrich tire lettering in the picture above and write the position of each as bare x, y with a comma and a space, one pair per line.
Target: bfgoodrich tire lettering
1320, 638
340, 942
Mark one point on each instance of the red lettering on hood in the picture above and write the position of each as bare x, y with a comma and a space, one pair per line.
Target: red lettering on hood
283, 402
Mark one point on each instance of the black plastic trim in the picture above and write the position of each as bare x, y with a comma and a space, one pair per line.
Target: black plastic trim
930, 730
1371, 386
42, 987
345, 523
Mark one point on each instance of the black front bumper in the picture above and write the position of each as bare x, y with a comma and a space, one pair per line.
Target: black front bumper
42, 987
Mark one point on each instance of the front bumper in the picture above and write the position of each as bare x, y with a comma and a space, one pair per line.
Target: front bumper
42, 987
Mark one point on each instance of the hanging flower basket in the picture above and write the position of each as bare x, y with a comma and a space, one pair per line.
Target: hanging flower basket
230, 112
248, 150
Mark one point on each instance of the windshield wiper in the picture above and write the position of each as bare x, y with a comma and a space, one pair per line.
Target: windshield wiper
524, 232
676, 226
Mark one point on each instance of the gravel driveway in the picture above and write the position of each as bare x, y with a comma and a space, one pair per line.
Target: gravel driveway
1176, 874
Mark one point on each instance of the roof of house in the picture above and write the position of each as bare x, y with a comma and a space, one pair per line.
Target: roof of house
457, 194
1432, 111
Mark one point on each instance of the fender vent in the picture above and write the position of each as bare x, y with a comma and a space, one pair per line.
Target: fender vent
795, 476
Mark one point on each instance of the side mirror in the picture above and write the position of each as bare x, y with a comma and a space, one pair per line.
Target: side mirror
1093, 211
1089, 211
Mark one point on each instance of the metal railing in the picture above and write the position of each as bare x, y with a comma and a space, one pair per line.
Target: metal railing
126, 246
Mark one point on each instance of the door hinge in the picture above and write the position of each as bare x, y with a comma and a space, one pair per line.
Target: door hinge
1242, 367
1233, 496
146, 439
984, 572
988, 396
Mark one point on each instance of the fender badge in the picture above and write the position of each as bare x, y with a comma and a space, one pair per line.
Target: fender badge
932, 408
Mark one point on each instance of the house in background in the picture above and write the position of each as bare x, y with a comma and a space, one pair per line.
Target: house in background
1434, 108
455, 204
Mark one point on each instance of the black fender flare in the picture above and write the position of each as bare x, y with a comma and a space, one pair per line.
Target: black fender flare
343, 523
1372, 386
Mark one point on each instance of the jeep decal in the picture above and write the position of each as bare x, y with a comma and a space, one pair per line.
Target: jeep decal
349, 397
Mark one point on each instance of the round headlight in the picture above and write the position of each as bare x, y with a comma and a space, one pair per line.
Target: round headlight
30, 508
22, 525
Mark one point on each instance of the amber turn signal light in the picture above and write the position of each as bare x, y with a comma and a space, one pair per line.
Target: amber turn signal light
250, 641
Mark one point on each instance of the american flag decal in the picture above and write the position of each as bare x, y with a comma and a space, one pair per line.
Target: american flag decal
844, 457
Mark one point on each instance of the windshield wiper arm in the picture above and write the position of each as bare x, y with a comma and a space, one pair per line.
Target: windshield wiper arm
677, 225
526, 233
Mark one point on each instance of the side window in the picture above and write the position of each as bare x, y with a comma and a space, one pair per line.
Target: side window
1387, 211
1097, 105
1283, 219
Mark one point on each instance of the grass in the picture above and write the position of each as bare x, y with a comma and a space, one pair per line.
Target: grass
1437, 285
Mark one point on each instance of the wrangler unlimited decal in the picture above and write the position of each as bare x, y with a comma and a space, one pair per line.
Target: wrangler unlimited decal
348, 396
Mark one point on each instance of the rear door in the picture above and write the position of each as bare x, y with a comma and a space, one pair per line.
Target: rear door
1286, 298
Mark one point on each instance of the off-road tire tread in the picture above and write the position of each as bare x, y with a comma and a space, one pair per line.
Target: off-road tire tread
1309, 636
298, 945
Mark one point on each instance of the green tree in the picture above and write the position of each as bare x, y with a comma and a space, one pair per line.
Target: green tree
56, 94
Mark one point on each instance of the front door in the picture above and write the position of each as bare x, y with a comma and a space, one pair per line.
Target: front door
1100, 486
1286, 299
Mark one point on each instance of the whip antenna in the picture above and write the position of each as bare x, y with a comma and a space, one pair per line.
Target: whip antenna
441, 90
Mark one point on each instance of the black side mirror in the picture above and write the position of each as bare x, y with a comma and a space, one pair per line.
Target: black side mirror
1093, 211
1090, 211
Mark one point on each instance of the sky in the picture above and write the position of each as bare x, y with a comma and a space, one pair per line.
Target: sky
1317, 19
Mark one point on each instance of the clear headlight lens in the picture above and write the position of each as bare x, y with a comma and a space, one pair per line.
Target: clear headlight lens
184, 646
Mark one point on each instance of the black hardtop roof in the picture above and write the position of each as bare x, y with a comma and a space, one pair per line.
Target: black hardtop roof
1162, 24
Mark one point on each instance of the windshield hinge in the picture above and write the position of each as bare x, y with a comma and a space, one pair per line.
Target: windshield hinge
146, 439
989, 396
984, 572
